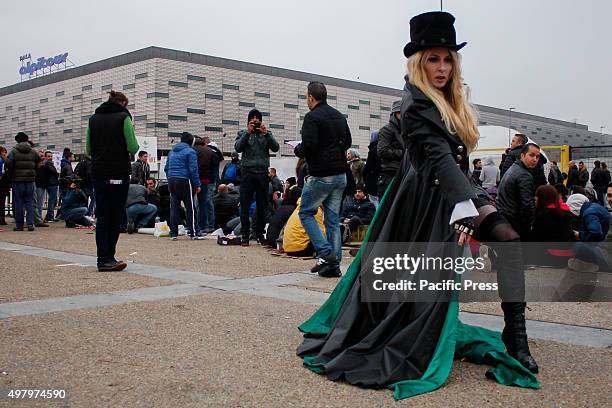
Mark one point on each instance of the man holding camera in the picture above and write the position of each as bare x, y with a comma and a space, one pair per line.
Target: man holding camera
74, 205
255, 144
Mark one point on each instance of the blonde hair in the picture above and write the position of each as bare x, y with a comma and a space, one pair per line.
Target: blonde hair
458, 114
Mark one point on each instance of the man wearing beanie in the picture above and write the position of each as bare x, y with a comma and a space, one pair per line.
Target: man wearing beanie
111, 143
22, 162
184, 183
255, 144
390, 148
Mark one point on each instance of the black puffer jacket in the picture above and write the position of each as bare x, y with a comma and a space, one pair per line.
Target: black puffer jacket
390, 146
325, 140
512, 155
21, 162
516, 198
363, 209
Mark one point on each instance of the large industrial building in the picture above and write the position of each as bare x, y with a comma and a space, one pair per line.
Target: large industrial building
174, 91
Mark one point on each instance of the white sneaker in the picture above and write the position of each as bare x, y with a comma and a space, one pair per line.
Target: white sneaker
173, 238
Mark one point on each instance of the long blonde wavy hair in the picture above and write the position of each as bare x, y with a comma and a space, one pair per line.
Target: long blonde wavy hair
458, 114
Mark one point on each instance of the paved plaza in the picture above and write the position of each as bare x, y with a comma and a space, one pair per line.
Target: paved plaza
194, 324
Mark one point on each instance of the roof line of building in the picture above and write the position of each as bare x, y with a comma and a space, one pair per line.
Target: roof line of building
202, 59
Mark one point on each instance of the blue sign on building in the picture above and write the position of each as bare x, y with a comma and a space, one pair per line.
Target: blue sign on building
43, 62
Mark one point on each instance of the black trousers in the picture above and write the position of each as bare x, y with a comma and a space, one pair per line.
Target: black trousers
3, 196
253, 183
181, 190
110, 202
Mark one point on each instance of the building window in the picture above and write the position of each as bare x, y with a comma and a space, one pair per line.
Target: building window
140, 117
15, 119
247, 104
534, 133
129, 86
175, 134
231, 122
77, 97
36, 112
482, 123
67, 130
355, 146
58, 121
140, 76
364, 102
85, 117
177, 117
332, 97
97, 100
538, 128
290, 106
21, 108
68, 109
9, 108
158, 95
86, 88
548, 133
131, 106
364, 128
178, 84
354, 107
232, 87
213, 129
523, 127
76, 141
44, 100
21, 124
385, 108
196, 78
262, 95
107, 87
43, 120
265, 114
276, 126
2, 118
50, 146
60, 93
43, 134
301, 96
157, 125
195, 110
213, 96
372, 116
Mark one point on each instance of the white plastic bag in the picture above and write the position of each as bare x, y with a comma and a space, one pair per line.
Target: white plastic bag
161, 229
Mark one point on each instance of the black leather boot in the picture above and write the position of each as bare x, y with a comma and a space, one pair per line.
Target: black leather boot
514, 335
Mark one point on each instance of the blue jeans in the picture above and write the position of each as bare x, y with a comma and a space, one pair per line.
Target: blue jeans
75, 215
89, 192
23, 200
140, 214
328, 192
51, 200
210, 206
202, 199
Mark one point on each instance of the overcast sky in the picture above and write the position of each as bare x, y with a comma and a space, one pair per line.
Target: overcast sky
544, 57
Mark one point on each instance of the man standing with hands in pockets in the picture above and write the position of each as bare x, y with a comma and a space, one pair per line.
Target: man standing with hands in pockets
255, 144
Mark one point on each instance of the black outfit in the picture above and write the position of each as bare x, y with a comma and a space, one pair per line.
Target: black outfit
516, 198
390, 152
110, 171
539, 178
253, 183
555, 176
362, 209
583, 177
226, 208
599, 179
572, 176
278, 221
476, 176
181, 190
512, 155
418, 207
324, 155
371, 169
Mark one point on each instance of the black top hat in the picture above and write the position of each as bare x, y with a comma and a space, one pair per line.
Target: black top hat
430, 30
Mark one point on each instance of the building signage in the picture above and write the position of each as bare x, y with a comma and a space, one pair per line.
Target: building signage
43, 62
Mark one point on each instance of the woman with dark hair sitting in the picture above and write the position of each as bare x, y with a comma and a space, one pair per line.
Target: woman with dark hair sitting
552, 223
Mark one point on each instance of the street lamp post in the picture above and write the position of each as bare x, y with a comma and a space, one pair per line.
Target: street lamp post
601, 128
510, 109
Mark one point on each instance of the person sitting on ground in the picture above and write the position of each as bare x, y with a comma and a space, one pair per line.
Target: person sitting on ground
74, 206
562, 190
359, 212
594, 226
295, 239
138, 211
226, 206
588, 192
281, 216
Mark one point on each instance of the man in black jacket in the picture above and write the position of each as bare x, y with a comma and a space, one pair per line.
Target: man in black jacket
572, 175
599, 180
390, 148
360, 212
325, 139
22, 162
140, 168
516, 195
371, 169
110, 141
226, 206
583, 174
512, 154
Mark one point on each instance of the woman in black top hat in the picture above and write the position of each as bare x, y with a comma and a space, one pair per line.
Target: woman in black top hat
409, 345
